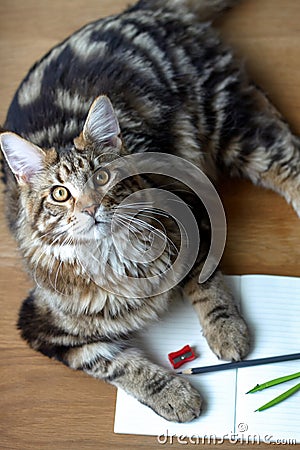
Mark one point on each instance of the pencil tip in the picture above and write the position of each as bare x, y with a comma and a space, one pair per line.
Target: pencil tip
184, 372
251, 391
255, 389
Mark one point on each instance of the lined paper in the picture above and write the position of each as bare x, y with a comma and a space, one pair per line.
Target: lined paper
271, 306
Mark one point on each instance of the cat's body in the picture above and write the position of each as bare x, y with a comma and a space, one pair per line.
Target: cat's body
174, 88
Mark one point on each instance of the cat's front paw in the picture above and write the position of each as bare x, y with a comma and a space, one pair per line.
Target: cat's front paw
229, 339
177, 402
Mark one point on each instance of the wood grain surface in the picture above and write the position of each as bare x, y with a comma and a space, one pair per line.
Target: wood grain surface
45, 405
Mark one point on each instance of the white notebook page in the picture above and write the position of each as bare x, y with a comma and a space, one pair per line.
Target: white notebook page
272, 306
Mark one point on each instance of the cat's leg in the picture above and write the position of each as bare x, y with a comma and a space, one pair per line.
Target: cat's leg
169, 395
255, 142
223, 327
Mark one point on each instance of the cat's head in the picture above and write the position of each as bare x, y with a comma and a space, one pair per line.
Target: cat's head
92, 207
61, 191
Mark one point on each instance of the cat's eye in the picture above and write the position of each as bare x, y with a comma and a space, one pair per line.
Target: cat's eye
60, 194
101, 177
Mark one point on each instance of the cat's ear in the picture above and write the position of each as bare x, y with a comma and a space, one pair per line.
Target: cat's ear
24, 158
102, 125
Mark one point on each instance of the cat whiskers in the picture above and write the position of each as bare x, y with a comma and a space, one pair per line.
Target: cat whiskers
149, 213
137, 225
129, 225
43, 254
168, 216
56, 233
49, 255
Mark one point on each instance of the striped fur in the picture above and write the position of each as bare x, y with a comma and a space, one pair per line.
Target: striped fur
174, 88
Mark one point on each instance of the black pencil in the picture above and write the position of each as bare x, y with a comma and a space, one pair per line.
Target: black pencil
240, 364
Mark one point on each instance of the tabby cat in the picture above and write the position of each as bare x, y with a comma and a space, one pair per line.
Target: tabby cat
155, 78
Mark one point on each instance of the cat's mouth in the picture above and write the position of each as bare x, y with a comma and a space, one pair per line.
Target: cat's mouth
101, 230
92, 230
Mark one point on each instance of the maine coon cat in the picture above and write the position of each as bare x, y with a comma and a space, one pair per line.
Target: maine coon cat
153, 79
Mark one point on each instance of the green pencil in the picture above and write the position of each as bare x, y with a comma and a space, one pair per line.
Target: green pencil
260, 387
280, 398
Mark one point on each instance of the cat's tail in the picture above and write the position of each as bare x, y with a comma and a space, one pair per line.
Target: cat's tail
205, 10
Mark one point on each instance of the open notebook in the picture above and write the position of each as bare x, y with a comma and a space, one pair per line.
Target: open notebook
271, 306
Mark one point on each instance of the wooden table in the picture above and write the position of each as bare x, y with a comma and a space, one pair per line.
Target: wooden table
44, 405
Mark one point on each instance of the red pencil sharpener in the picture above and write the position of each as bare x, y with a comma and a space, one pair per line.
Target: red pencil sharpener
182, 356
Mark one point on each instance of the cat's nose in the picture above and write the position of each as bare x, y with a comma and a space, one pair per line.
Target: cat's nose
90, 210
